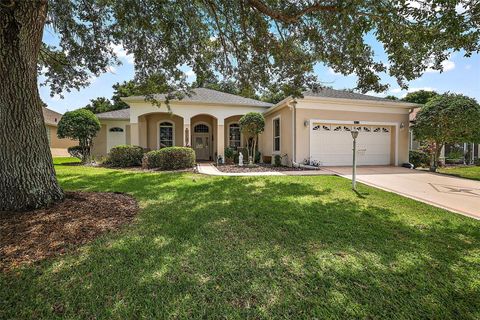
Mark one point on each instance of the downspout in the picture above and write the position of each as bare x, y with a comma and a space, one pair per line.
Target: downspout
294, 126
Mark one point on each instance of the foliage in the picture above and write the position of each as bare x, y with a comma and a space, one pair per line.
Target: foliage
277, 160
447, 118
228, 243
170, 158
420, 96
390, 97
81, 125
419, 159
99, 105
229, 154
125, 156
258, 156
251, 125
78, 152
124, 89
254, 43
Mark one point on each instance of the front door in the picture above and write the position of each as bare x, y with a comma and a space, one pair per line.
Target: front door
201, 142
202, 146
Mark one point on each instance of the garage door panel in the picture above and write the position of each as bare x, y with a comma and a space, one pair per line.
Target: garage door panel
331, 145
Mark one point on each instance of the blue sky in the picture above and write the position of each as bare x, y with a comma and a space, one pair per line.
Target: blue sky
461, 75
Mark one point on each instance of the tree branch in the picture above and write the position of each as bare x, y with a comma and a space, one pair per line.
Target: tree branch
289, 19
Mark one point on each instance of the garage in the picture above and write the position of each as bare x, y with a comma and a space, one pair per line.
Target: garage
331, 144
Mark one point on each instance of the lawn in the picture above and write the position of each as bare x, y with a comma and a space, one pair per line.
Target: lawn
470, 172
256, 247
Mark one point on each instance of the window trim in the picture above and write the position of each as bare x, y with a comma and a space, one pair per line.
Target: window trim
158, 132
228, 132
279, 118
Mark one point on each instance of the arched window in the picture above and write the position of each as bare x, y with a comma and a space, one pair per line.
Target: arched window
234, 135
200, 128
116, 129
166, 135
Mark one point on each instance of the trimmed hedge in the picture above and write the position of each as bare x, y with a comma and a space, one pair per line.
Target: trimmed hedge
170, 158
125, 156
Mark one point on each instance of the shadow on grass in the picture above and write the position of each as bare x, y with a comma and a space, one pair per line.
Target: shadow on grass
270, 247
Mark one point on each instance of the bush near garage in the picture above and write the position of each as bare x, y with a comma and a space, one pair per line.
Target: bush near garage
125, 156
170, 158
419, 159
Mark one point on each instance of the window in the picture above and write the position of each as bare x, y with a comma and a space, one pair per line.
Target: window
166, 135
116, 129
276, 134
200, 128
234, 135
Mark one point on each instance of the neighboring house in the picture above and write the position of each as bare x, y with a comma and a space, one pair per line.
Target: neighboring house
468, 152
314, 129
57, 146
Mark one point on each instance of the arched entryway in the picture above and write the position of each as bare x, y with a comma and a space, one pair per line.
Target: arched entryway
203, 134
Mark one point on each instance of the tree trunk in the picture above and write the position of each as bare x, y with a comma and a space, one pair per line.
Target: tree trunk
27, 176
435, 157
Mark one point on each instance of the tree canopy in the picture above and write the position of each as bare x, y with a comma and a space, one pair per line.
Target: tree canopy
420, 96
255, 43
447, 118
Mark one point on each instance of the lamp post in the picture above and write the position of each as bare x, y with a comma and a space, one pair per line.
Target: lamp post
354, 133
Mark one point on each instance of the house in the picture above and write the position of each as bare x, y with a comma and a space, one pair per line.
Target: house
57, 146
461, 152
313, 129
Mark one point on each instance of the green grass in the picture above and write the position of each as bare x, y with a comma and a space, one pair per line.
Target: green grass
257, 247
470, 172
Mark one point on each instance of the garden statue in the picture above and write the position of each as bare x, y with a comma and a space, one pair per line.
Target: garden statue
240, 159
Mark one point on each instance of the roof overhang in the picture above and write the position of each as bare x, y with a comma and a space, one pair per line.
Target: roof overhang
357, 102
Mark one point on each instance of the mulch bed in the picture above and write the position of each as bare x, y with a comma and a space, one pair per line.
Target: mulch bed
261, 167
28, 237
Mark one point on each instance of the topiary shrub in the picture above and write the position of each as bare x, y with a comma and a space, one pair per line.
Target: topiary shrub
419, 159
170, 158
125, 156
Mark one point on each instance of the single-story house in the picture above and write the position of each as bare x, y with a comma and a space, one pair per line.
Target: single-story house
58, 146
313, 129
469, 152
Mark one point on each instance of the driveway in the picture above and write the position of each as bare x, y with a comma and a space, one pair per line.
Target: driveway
451, 193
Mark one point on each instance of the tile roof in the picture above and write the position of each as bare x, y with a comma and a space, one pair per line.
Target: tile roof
51, 117
205, 95
123, 114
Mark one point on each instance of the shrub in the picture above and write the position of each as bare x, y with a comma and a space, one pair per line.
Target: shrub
419, 158
170, 158
229, 155
477, 162
125, 156
277, 160
77, 152
258, 156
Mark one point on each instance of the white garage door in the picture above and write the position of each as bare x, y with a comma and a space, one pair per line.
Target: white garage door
331, 144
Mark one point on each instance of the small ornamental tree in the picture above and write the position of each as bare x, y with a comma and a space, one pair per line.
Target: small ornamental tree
81, 125
447, 118
251, 125
420, 96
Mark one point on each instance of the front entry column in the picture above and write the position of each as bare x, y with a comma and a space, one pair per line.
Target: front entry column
220, 139
187, 133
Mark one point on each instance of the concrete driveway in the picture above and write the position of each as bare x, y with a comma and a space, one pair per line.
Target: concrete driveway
451, 193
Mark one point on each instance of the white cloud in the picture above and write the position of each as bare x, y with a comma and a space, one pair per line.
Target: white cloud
190, 73
376, 94
460, 8
396, 91
447, 65
331, 71
122, 54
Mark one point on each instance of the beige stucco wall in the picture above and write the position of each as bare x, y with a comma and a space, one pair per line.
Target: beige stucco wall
99, 147
56, 142
303, 132
286, 135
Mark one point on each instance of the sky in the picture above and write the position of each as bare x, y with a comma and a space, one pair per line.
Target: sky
460, 75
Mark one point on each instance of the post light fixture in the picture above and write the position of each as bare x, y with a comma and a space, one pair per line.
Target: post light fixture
354, 133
